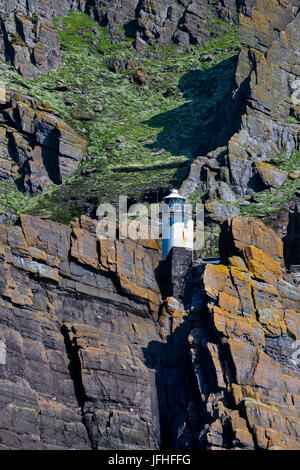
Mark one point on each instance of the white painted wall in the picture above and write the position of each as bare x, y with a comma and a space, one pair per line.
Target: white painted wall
176, 232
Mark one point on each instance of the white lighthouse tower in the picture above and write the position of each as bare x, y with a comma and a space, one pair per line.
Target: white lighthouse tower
177, 223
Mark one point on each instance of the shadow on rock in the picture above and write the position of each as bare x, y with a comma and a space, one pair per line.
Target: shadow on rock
197, 127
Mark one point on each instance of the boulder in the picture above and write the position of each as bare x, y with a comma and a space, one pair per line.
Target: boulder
237, 233
221, 191
241, 173
270, 176
217, 212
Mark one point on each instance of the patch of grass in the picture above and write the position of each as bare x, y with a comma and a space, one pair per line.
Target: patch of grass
271, 202
211, 243
197, 196
77, 31
292, 120
224, 43
289, 164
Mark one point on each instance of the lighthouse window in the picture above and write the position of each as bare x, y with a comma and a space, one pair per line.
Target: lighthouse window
172, 219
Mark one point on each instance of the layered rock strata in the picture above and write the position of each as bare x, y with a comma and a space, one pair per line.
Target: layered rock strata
92, 359
37, 149
240, 367
75, 316
268, 74
185, 22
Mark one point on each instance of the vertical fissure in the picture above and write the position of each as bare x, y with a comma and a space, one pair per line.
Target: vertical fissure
75, 369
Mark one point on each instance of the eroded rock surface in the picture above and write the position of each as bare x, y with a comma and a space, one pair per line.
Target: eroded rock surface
75, 316
259, 120
28, 38
30, 42
268, 75
37, 149
185, 22
237, 341
92, 359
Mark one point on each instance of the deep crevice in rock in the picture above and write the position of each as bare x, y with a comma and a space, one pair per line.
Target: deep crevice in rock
72, 349
75, 369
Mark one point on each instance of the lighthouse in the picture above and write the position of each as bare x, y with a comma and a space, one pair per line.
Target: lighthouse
177, 224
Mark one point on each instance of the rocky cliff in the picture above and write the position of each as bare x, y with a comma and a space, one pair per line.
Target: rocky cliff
37, 148
268, 67
252, 161
91, 358
229, 119
103, 346
75, 319
29, 40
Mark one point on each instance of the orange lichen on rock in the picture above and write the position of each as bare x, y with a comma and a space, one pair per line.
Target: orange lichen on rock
252, 307
261, 265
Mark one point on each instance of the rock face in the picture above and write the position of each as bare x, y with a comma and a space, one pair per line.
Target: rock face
267, 76
292, 239
90, 358
37, 149
259, 119
239, 327
103, 347
252, 310
222, 176
74, 324
185, 22
27, 35
30, 42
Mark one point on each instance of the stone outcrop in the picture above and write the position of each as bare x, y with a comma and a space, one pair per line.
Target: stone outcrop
91, 358
239, 233
240, 325
259, 120
224, 177
75, 316
28, 38
267, 76
37, 149
257, 366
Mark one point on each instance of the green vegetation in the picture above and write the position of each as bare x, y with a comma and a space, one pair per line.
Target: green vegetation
14, 200
292, 120
211, 243
289, 164
161, 120
76, 33
271, 202
268, 202
265, 203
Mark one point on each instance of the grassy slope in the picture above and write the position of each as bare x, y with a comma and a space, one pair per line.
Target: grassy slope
172, 111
